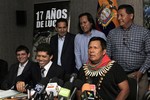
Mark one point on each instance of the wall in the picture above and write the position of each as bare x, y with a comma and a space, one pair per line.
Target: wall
12, 35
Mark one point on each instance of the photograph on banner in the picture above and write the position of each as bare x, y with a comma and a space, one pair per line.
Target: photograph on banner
45, 16
147, 13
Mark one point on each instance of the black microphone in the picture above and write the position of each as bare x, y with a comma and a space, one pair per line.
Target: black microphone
60, 82
57, 80
40, 87
72, 77
65, 91
87, 95
77, 86
88, 91
51, 96
28, 88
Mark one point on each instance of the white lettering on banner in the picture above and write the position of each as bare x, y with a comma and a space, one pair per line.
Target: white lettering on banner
50, 17
39, 15
64, 13
50, 23
39, 24
53, 13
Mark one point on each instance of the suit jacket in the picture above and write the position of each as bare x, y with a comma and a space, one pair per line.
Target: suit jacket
68, 56
12, 75
3, 70
33, 76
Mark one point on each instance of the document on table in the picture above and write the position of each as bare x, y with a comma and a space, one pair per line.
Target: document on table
10, 93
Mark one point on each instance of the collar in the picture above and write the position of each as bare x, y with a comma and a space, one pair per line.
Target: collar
105, 60
59, 37
47, 67
23, 65
129, 28
90, 33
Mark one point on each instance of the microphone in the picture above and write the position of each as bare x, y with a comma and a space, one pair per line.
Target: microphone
88, 91
87, 95
60, 82
77, 85
51, 96
73, 77
53, 86
28, 88
65, 91
40, 87
92, 86
86, 86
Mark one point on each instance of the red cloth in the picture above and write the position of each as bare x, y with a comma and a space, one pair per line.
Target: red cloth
105, 60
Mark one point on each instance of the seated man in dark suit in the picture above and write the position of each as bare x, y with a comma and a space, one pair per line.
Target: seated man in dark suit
3, 70
32, 77
23, 65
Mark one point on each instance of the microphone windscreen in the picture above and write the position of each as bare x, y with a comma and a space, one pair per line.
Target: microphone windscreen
78, 83
65, 91
44, 81
60, 82
40, 87
54, 79
68, 85
73, 77
52, 87
86, 86
87, 95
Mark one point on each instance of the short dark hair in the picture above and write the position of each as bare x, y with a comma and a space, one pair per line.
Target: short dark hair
129, 8
22, 47
44, 47
90, 19
61, 20
103, 42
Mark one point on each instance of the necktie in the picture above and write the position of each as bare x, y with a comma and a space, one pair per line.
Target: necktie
42, 72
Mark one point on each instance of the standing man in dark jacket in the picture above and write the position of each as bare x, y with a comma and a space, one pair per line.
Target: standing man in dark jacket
62, 46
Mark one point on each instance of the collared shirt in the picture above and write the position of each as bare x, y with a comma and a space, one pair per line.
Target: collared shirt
60, 46
130, 48
47, 67
21, 68
81, 46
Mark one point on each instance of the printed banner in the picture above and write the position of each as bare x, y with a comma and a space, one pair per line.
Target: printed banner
45, 16
106, 18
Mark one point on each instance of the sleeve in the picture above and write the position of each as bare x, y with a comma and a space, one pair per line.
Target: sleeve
77, 53
3, 70
81, 74
146, 64
108, 49
119, 73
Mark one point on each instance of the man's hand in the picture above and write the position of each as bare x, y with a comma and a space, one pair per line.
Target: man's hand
21, 86
139, 75
136, 75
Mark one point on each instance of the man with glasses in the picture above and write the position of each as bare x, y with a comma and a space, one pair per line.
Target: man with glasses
22, 65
